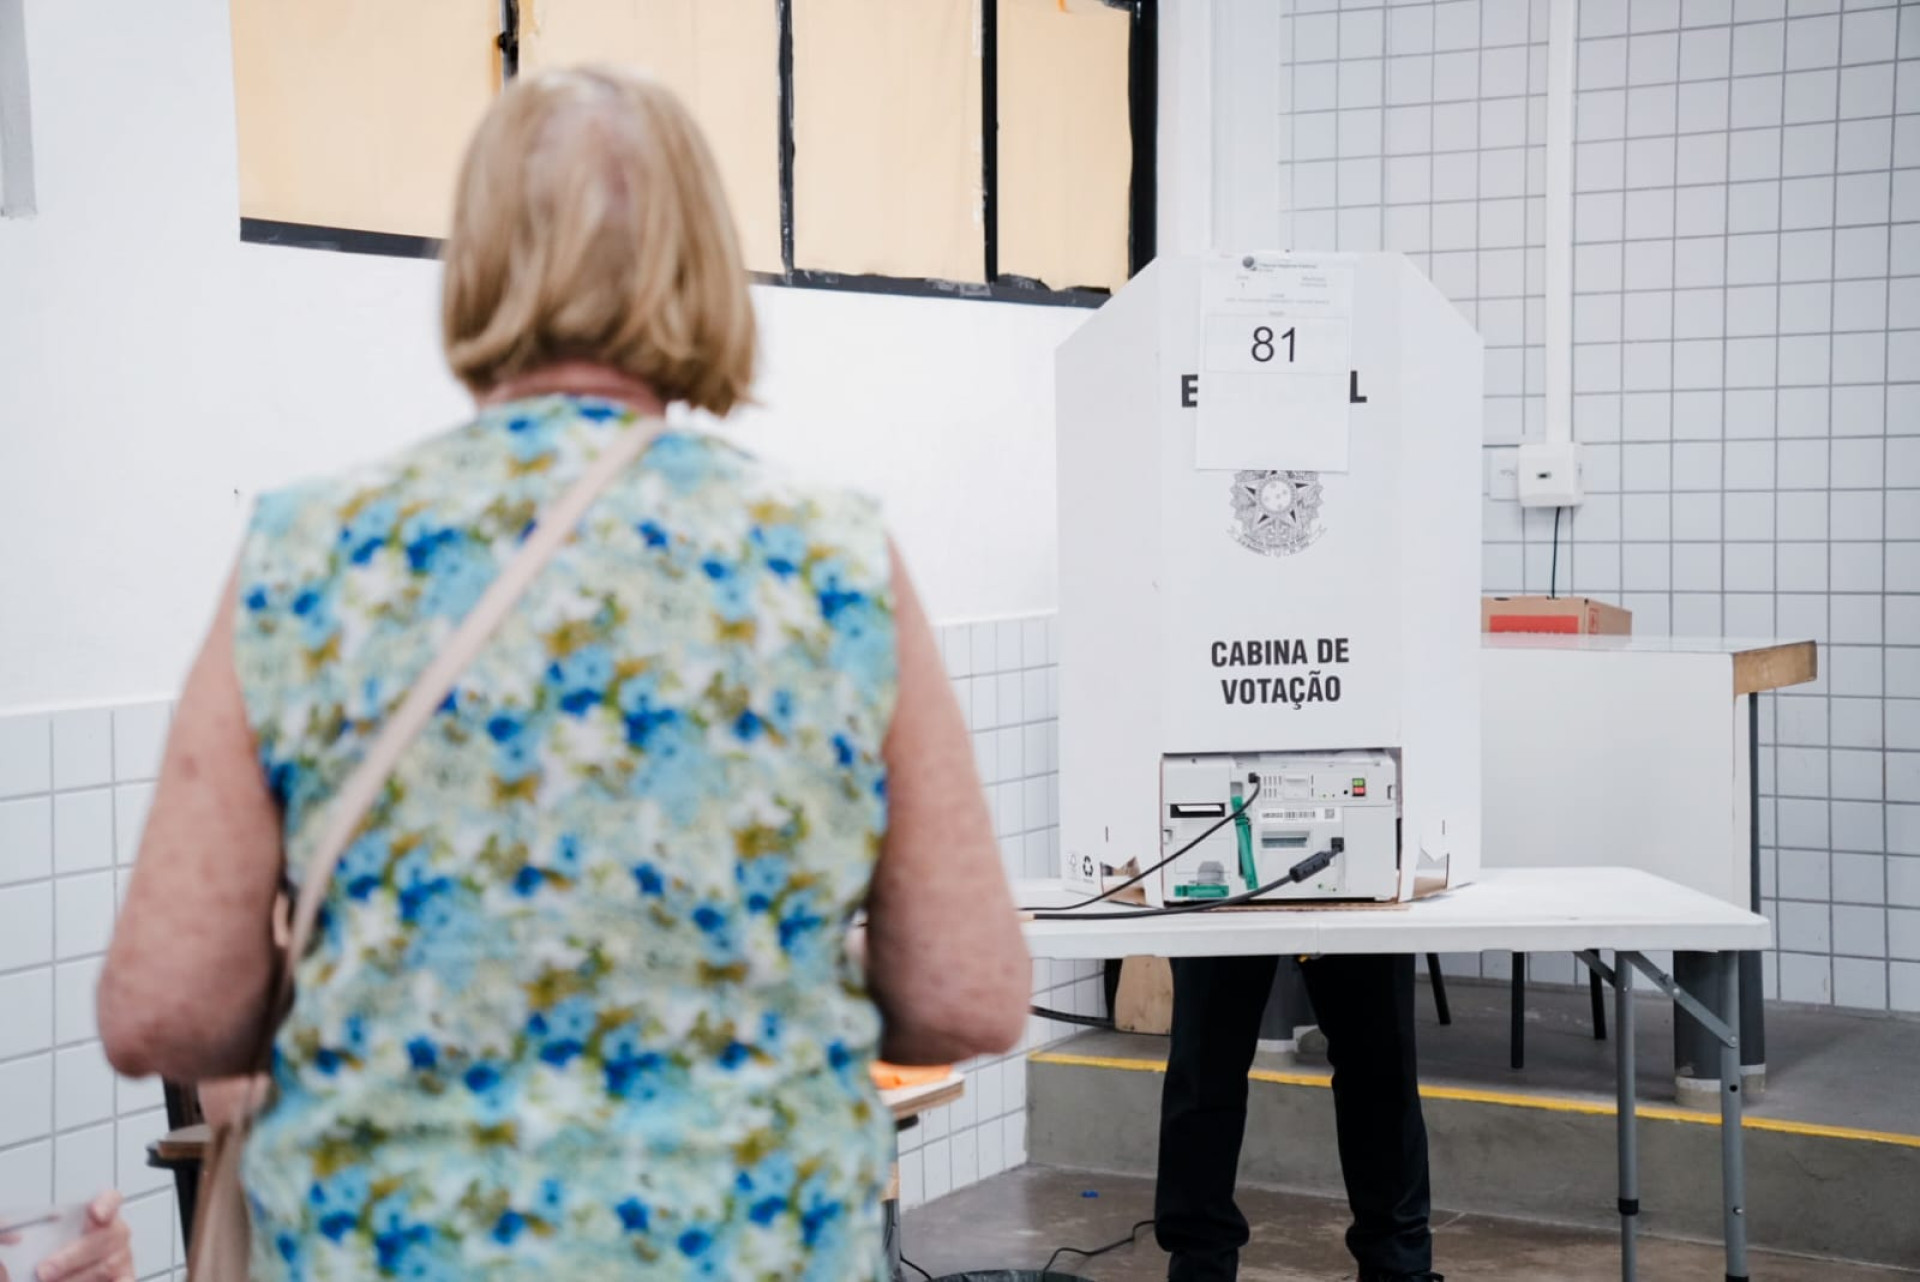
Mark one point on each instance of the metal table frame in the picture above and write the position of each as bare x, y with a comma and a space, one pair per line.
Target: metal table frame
1694, 1044
1590, 912
1721, 1021
890, 1217
907, 1103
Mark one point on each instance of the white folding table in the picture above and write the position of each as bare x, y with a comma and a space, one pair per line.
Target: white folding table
1642, 752
1577, 910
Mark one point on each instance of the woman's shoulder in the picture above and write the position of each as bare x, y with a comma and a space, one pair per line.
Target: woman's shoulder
775, 488
442, 461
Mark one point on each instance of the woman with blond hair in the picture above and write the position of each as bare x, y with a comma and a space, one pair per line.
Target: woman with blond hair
580, 999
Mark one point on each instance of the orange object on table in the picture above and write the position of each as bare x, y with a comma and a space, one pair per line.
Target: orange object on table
890, 1077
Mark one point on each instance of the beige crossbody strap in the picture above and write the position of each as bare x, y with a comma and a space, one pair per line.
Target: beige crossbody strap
363, 787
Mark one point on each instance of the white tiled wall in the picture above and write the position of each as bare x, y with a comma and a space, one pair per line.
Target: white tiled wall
1746, 364
73, 792
1006, 676
1420, 127
74, 789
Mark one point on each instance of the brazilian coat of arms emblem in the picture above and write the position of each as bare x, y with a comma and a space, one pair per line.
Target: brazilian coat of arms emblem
1276, 513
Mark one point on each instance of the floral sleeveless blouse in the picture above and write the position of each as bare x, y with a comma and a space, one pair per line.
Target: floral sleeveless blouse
580, 1005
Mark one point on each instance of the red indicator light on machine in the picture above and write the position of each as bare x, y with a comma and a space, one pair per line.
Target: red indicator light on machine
1359, 787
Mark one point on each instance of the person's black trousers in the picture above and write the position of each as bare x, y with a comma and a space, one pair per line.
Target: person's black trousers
1365, 1007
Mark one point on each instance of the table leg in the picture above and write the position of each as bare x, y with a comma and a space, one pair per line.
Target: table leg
1733, 1168
890, 1230
1623, 1031
1438, 981
186, 1187
1753, 1015
1696, 1047
1517, 1031
1694, 1051
1714, 1007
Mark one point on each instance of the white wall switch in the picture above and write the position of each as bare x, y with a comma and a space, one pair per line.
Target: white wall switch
1549, 475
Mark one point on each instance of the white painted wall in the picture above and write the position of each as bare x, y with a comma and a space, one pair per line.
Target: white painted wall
16, 128
154, 373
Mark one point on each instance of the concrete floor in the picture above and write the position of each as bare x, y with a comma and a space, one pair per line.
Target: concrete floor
1828, 1067
1015, 1221
1807, 1192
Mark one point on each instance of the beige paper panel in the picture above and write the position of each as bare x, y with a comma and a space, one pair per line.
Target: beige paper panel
354, 113
720, 56
1065, 159
886, 123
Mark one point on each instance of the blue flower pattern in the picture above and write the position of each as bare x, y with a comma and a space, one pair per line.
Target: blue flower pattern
581, 1001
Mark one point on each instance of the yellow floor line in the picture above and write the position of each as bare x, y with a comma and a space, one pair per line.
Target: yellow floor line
1509, 1099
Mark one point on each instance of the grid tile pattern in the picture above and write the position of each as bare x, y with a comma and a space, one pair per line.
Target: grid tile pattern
1421, 128
1746, 366
1006, 675
74, 790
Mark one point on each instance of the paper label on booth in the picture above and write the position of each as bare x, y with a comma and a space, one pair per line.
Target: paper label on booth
1301, 815
1275, 359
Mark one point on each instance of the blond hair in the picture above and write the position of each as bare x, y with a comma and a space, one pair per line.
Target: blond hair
589, 224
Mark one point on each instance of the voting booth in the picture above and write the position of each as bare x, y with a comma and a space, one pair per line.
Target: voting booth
1270, 497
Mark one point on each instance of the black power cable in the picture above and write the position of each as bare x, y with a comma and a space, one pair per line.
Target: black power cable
1137, 878
1553, 575
1084, 1021
1299, 872
1133, 1235
1132, 1238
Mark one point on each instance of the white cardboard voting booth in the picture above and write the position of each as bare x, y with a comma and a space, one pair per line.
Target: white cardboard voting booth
1269, 471
1634, 752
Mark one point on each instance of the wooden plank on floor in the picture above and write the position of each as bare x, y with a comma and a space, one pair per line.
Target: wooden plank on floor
1144, 1001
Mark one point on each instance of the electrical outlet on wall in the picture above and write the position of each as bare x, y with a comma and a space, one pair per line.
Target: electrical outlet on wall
1549, 475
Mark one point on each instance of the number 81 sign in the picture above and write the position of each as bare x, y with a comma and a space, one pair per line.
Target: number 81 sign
1250, 343
1275, 340
1263, 343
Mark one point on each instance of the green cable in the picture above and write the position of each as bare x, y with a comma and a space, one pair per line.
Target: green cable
1243, 829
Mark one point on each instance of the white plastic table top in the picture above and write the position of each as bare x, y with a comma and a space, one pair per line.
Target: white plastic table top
1609, 644
1506, 910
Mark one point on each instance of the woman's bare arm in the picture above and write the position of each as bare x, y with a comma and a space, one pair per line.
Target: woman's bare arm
185, 986
945, 958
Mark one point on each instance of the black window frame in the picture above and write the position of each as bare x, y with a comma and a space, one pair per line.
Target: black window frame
1143, 47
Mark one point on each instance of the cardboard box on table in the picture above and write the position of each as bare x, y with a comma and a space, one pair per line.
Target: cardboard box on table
1565, 615
1192, 623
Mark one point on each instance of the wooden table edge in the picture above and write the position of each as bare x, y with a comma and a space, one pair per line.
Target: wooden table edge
911, 1101
1775, 667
